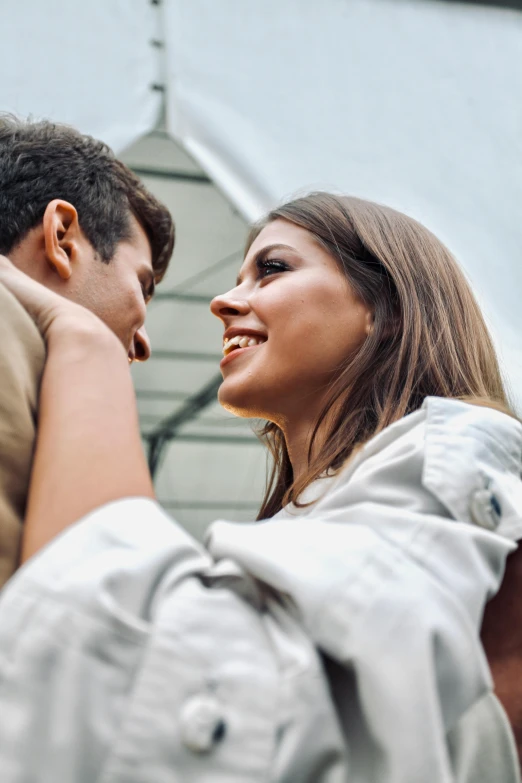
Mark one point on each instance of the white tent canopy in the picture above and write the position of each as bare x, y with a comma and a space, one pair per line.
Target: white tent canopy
415, 103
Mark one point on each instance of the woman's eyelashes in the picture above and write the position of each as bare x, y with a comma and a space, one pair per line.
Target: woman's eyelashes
270, 266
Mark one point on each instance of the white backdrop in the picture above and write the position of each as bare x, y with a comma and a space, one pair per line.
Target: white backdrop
89, 63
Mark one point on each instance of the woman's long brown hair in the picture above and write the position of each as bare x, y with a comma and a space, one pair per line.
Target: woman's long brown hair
428, 338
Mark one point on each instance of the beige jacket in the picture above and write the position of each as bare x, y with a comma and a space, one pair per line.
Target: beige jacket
334, 643
22, 357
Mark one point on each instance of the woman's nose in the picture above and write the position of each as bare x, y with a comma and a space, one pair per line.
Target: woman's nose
141, 345
225, 305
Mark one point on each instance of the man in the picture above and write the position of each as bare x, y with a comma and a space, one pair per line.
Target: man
79, 221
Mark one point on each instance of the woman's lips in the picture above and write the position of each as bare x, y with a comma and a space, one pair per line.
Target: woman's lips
236, 352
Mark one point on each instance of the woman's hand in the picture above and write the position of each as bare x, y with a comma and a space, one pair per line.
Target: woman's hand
88, 449
45, 307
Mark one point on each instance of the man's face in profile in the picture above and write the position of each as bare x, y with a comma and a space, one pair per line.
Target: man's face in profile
118, 292
58, 255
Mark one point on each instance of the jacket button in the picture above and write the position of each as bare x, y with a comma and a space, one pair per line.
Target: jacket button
201, 723
485, 509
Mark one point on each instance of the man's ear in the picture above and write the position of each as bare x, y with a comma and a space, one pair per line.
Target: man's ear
62, 236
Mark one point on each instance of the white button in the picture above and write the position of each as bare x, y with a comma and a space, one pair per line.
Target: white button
485, 509
201, 723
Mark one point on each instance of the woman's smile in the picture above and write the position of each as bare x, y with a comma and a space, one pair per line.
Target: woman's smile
238, 340
232, 352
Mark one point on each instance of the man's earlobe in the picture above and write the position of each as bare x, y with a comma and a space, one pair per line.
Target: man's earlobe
62, 236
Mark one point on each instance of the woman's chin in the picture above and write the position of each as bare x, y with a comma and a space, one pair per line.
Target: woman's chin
239, 401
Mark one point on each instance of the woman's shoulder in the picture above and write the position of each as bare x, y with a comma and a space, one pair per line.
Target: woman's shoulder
478, 420
454, 427
466, 457
452, 420
473, 462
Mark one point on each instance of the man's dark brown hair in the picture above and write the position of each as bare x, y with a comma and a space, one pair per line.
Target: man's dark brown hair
42, 161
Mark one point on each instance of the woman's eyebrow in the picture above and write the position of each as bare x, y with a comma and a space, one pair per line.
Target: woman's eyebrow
261, 254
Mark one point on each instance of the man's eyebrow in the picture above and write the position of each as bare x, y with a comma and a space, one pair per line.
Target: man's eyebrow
261, 254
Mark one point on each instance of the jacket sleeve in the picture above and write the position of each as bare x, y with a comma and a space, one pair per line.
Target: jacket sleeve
390, 573
118, 662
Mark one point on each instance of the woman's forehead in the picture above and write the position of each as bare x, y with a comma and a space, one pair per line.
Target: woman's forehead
282, 232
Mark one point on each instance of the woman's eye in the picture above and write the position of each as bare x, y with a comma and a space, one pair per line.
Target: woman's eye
269, 266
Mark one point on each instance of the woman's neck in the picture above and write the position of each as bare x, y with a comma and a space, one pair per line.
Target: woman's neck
297, 440
298, 431
298, 435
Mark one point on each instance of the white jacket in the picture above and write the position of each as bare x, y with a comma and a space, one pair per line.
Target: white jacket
339, 642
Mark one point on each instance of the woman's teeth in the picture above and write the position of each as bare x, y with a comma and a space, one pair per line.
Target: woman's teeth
241, 341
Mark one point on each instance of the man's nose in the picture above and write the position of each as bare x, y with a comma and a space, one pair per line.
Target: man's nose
141, 345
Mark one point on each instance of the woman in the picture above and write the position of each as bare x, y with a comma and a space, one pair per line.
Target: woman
392, 508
